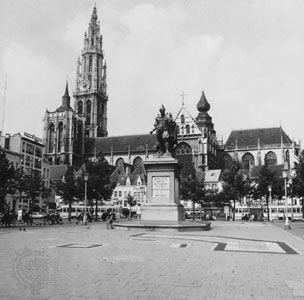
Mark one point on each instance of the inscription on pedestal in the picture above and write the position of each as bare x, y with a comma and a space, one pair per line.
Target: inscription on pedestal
160, 186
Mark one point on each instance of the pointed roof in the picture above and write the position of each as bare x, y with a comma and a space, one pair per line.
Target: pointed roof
66, 97
250, 138
203, 105
94, 13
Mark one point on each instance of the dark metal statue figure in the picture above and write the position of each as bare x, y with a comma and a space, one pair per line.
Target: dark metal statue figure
166, 133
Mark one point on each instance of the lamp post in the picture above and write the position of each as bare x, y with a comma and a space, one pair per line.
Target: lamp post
86, 178
269, 202
285, 176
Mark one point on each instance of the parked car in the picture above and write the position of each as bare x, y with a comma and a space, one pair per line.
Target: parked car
37, 215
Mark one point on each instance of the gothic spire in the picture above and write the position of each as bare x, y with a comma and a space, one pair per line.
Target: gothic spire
66, 97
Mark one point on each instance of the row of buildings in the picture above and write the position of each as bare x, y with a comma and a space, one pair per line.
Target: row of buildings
72, 133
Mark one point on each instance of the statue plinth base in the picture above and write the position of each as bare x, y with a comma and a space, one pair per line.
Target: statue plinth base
163, 190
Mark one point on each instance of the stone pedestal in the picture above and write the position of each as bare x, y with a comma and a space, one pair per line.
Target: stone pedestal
163, 202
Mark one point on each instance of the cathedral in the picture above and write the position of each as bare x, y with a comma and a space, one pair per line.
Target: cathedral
72, 134
75, 133
67, 128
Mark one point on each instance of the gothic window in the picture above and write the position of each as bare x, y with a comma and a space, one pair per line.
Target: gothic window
137, 161
247, 161
182, 130
187, 128
89, 107
182, 119
177, 129
270, 159
92, 41
88, 119
90, 63
80, 107
183, 152
227, 162
119, 161
60, 136
287, 158
192, 128
51, 137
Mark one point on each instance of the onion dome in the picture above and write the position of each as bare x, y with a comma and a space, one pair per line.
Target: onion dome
203, 105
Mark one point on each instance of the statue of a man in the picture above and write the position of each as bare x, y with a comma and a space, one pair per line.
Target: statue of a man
165, 132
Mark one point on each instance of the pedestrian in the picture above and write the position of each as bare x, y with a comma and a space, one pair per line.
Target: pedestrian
110, 220
138, 211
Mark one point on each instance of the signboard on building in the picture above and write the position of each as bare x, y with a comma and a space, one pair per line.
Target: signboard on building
160, 186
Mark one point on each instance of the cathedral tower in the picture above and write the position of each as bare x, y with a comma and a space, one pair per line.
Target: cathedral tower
91, 87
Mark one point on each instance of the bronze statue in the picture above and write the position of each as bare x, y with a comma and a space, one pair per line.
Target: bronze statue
166, 133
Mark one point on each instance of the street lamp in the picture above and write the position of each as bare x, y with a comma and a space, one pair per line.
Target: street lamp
86, 178
285, 176
269, 202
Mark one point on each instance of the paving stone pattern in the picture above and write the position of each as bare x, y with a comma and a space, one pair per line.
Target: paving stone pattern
150, 265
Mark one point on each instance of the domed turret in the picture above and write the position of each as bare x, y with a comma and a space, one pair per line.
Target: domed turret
203, 105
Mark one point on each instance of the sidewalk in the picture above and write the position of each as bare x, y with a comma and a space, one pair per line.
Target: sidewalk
81, 262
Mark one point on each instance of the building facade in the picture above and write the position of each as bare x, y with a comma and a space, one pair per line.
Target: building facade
67, 128
254, 148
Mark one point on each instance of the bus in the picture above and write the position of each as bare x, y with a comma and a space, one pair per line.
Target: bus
77, 209
276, 212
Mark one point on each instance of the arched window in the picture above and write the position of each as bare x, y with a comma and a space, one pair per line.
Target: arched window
60, 137
182, 119
80, 107
119, 161
89, 107
92, 41
182, 130
183, 152
192, 128
51, 137
227, 162
247, 161
137, 161
287, 158
177, 129
90, 63
187, 128
270, 159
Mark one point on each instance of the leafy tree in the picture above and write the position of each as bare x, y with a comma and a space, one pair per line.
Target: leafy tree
298, 181
68, 189
131, 202
237, 184
267, 178
99, 185
34, 186
6, 176
192, 189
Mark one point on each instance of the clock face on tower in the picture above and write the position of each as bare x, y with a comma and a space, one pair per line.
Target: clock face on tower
84, 85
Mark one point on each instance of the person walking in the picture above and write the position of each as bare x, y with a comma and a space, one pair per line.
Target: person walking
138, 211
110, 220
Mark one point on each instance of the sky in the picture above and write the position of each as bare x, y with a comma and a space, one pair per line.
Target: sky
246, 55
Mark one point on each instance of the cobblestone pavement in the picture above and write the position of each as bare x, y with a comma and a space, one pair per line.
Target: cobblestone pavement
81, 262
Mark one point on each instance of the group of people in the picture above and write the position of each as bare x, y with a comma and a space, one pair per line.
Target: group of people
248, 217
10, 218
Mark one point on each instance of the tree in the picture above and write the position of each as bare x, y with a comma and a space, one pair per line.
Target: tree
34, 186
192, 189
131, 202
99, 185
67, 188
6, 177
298, 181
237, 184
267, 178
